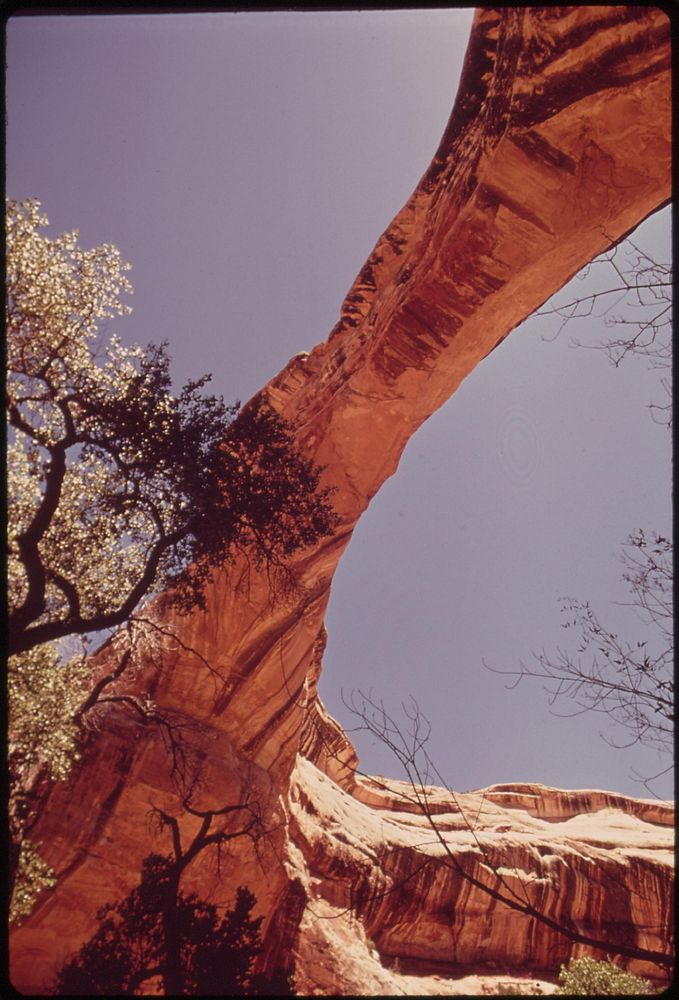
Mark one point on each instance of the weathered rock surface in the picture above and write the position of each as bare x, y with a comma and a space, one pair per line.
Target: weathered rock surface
378, 919
558, 145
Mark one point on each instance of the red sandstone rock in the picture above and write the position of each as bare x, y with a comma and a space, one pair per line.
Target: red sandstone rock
558, 145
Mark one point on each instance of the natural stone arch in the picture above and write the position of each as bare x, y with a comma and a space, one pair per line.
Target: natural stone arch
558, 145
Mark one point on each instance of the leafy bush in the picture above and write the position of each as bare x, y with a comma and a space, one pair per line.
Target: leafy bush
587, 977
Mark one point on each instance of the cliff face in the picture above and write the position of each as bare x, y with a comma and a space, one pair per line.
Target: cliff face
558, 145
387, 912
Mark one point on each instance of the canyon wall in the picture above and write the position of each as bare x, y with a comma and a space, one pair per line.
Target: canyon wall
558, 145
386, 912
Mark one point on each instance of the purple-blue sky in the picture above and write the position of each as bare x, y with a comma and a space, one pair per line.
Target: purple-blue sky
246, 163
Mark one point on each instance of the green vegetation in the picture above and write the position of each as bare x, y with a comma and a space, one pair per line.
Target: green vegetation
588, 977
118, 490
32, 876
116, 485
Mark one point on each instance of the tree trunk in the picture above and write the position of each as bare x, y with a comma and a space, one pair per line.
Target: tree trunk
173, 974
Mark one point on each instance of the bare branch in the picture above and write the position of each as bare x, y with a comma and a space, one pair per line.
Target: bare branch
631, 279
406, 746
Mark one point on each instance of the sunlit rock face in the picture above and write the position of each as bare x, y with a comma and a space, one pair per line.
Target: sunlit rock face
389, 912
558, 145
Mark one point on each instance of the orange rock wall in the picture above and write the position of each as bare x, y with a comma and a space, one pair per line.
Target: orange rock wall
597, 862
558, 145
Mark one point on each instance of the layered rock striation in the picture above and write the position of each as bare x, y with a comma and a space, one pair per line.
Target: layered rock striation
388, 910
558, 145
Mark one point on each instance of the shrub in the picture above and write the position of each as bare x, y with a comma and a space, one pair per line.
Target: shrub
587, 977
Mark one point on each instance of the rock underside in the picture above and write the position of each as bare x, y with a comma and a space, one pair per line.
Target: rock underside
558, 145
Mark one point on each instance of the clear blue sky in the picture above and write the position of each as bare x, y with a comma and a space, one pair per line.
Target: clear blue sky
246, 163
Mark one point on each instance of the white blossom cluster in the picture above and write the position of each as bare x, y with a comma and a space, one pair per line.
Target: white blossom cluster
33, 875
44, 695
56, 295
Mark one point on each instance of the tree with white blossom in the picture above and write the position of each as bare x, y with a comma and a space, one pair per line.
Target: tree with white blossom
118, 489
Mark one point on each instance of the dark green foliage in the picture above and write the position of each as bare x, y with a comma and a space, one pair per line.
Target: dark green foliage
217, 953
186, 478
254, 489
